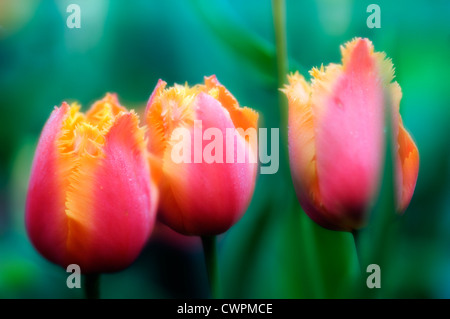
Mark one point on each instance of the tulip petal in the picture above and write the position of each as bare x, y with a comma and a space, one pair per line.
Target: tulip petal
204, 198
409, 170
242, 117
153, 112
103, 111
348, 112
166, 110
302, 150
45, 219
117, 181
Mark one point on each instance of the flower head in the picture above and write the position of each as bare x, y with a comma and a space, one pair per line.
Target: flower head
91, 201
207, 191
336, 137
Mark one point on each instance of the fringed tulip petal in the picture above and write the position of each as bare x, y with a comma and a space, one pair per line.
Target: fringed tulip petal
348, 115
47, 225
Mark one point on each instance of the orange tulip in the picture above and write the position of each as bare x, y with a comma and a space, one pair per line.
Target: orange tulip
336, 137
90, 200
201, 196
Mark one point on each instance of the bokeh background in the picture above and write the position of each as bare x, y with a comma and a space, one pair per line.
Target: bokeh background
275, 251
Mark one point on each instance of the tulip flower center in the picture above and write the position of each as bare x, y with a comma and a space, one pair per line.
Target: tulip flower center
176, 108
175, 111
87, 140
85, 134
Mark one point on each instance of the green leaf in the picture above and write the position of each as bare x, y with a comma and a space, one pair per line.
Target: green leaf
237, 37
244, 43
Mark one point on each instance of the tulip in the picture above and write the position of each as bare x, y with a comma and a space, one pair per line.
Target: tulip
201, 197
91, 201
336, 137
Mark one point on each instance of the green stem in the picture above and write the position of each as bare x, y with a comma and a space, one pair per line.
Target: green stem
279, 21
313, 259
356, 238
359, 286
92, 286
210, 251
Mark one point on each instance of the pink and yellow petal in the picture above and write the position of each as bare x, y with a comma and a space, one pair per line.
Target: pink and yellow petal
349, 116
45, 218
242, 117
301, 135
226, 188
111, 206
103, 111
154, 117
302, 151
166, 110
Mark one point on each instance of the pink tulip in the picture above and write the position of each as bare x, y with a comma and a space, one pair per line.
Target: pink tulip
200, 197
337, 139
90, 200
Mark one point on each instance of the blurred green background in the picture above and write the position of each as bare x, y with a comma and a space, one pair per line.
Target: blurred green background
275, 251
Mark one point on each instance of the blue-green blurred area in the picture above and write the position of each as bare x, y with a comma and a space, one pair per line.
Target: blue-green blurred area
275, 251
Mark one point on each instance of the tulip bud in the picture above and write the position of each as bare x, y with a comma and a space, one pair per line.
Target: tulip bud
336, 137
207, 161
90, 200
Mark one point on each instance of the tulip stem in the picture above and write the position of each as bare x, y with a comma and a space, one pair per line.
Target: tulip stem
210, 251
92, 286
356, 239
279, 22
282, 61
